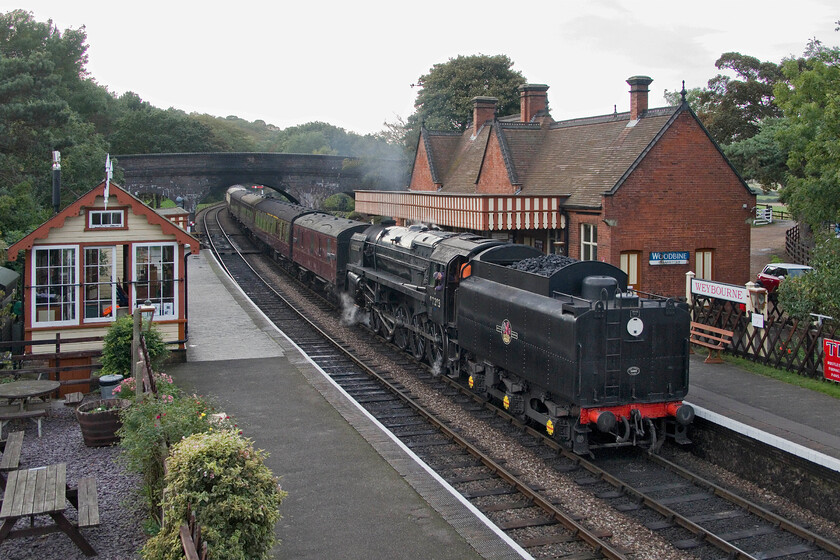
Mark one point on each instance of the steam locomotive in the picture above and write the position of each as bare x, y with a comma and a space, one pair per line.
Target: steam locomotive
568, 349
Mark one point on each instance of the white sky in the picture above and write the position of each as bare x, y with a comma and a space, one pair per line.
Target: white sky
352, 64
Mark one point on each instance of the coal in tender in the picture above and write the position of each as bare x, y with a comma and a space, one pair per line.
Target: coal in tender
545, 265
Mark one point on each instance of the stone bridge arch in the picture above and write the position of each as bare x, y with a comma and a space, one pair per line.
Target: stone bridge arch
309, 179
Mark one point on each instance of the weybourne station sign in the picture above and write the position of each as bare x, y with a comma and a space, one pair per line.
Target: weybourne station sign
729, 292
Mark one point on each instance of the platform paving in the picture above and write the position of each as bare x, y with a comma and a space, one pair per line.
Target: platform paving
354, 492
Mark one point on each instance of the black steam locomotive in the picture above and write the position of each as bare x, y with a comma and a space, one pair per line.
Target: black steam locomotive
569, 348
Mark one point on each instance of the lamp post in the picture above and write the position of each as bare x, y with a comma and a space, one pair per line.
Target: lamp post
146, 311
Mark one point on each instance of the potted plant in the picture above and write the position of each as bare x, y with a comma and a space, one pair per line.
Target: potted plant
100, 420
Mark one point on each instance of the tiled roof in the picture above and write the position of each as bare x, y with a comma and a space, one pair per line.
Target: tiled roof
581, 158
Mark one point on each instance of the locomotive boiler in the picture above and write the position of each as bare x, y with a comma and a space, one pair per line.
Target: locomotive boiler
566, 347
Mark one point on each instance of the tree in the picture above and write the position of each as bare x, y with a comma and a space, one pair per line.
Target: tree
811, 105
761, 158
148, 130
818, 291
446, 91
733, 109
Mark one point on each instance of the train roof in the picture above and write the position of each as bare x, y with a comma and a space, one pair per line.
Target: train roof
328, 224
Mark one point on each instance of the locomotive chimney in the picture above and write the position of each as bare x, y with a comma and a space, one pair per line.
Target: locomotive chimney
638, 95
532, 100
484, 109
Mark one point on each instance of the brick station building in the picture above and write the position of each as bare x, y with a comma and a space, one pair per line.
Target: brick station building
647, 190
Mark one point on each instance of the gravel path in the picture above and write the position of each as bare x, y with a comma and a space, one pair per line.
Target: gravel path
120, 535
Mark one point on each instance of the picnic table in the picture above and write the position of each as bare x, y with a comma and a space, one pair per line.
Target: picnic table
24, 391
44, 491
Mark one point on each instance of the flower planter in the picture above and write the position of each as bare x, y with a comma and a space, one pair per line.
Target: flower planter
99, 427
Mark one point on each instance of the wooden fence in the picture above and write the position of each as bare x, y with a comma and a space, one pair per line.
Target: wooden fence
783, 343
69, 368
797, 250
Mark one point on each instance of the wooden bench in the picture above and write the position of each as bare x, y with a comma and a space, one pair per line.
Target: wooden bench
88, 502
9, 413
713, 338
10, 461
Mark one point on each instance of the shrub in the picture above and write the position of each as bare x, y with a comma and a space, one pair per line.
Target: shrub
150, 427
116, 349
166, 388
233, 494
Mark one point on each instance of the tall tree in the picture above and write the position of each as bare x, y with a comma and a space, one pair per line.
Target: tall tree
733, 109
443, 102
811, 105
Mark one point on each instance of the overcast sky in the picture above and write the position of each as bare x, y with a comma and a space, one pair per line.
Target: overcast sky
352, 64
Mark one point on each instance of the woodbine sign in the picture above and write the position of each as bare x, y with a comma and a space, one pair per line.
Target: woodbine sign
729, 292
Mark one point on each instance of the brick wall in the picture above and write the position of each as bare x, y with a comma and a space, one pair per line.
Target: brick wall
494, 177
421, 177
682, 197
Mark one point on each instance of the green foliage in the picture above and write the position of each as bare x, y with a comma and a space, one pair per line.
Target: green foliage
819, 290
233, 494
811, 104
148, 130
150, 427
761, 158
444, 100
116, 349
733, 109
338, 203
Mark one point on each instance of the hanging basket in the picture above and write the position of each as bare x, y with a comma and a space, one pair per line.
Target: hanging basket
100, 420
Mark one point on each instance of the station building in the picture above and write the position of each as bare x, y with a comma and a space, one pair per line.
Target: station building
99, 258
647, 190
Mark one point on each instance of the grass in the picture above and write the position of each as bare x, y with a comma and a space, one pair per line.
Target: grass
826, 387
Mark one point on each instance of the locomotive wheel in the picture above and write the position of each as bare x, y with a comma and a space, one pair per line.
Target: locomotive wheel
402, 336
376, 322
434, 347
387, 326
418, 341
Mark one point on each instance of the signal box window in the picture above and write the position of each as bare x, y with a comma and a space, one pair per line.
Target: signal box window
114, 219
155, 274
55, 289
588, 242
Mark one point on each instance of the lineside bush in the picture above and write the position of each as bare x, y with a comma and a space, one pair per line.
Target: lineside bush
233, 494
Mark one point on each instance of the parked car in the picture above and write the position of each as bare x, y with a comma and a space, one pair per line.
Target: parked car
774, 273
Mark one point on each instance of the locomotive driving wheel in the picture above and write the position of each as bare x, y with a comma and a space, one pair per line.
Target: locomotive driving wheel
435, 345
418, 341
387, 326
402, 336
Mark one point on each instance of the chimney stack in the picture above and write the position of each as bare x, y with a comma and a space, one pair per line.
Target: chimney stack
532, 100
638, 95
484, 109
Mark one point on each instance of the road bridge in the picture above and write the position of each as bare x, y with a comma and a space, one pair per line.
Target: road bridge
308, 179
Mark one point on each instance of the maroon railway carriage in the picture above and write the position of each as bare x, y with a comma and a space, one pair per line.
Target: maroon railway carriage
320, 247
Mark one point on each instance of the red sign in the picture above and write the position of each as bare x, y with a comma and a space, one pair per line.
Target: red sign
831, 363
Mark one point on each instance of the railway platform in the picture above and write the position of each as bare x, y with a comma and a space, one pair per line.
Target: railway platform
798, 421
354, 493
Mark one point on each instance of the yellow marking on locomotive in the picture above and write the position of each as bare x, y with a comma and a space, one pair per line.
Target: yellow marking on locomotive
506, 402
471, 382
549, 428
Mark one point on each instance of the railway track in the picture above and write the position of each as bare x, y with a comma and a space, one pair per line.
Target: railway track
496, 491
693, 514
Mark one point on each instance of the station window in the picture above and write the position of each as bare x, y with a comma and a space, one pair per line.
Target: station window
588, 242
704, 261
155, 277
55, 289
630, 264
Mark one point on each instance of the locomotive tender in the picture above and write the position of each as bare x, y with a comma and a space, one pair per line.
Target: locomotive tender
572, 351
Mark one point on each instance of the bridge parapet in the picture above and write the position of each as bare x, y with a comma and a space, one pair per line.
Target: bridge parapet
192, 176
